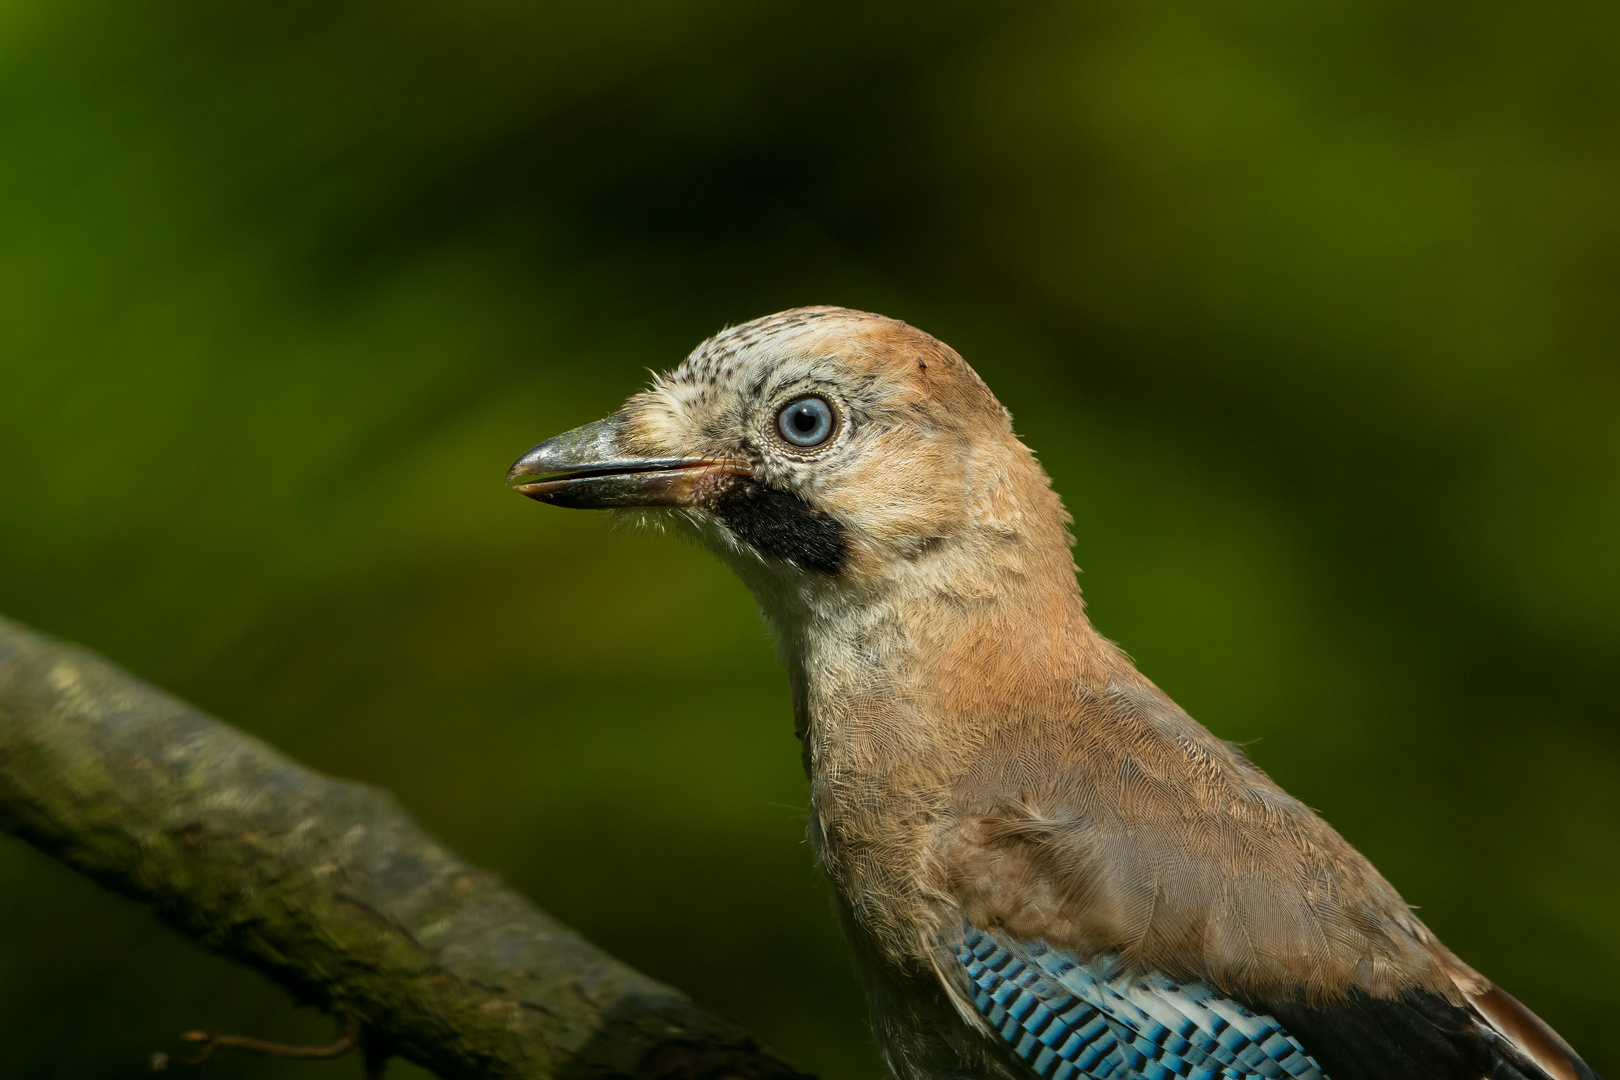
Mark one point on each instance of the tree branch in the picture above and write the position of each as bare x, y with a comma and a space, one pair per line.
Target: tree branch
327, 887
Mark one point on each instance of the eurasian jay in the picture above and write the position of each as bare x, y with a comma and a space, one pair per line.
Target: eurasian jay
1043, 865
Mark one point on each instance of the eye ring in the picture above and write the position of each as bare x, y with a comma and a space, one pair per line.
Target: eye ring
805, 422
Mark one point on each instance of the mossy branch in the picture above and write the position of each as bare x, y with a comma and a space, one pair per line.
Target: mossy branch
327, 887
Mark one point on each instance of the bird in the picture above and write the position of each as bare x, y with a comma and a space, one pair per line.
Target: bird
1043, 866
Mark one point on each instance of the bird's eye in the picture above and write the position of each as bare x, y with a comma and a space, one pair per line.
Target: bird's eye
806, 422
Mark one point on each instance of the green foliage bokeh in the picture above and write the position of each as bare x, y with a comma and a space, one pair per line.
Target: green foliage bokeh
1310, 310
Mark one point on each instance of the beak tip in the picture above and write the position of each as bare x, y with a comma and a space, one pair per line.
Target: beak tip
596, 441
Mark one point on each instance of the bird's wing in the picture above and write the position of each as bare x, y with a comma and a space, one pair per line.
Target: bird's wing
1528, 1033
1069, 1019
1138, 884
1089, 1021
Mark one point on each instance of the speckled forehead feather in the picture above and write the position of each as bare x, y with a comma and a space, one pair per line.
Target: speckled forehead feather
716, 361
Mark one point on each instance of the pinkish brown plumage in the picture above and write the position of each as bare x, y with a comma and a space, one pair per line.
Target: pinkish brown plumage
1042, 863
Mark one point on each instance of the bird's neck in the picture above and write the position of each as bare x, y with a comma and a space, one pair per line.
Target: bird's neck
955, 637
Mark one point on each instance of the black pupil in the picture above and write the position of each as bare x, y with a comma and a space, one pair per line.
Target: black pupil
805, 420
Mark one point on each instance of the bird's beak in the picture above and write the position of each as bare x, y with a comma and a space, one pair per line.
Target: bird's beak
589, 469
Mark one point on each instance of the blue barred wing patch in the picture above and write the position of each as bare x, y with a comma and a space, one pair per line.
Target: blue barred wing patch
1074, 1021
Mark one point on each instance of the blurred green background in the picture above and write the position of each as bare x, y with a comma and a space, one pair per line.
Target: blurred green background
1311, 310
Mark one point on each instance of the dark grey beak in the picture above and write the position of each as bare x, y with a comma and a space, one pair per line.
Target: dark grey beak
589, 469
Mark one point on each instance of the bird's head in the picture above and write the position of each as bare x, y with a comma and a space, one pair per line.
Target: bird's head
822, 450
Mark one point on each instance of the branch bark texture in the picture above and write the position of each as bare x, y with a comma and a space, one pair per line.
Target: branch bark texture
328, 887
